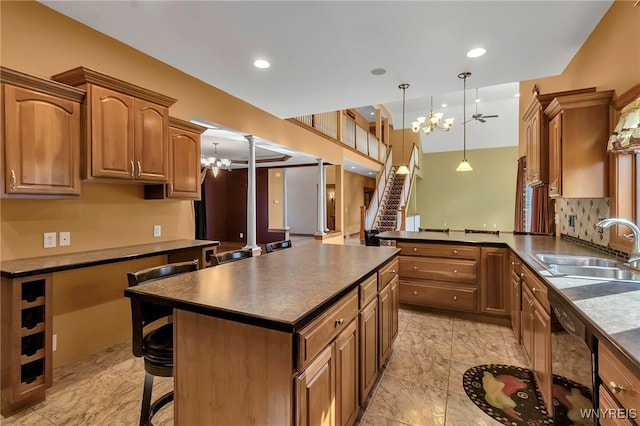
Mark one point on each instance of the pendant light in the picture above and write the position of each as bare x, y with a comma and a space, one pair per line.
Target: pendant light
464, 165
403, 169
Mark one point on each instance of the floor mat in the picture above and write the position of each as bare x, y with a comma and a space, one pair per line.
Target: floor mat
509, 395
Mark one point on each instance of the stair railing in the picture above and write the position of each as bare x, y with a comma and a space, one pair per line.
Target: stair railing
406, 190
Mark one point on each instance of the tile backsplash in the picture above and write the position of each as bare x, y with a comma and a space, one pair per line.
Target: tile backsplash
586, 213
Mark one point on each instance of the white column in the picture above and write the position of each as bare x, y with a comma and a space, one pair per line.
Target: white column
251, 199
320, 204
324, 198
285, 205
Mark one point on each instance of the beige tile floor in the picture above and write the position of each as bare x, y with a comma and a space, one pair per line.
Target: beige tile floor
420, 386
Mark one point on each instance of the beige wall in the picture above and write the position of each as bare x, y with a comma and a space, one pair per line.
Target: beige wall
354, 185
608, 60
468, 200
276, 199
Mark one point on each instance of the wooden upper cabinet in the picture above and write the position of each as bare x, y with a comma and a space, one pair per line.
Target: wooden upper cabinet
536, 143
40, 137
127, 128
578, 135
184, 159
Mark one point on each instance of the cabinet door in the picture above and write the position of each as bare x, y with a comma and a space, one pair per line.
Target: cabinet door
315, 391
542, 352
555, 156
395, 306
41, 142
527, 322
368, 318
112, 134
494, 290
184, 164
151, 141
533, 152
347, 401
515, 296
384, 314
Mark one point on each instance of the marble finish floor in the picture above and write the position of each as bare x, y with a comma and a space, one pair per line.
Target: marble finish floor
420, 386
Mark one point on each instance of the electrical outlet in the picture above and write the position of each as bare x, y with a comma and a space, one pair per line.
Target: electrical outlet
54, 342
49, 239
65, 239
157, 231
242, 235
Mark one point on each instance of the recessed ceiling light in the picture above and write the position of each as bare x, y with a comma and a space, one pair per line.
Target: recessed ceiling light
478, 51
370, 173
261, 63
477, 100
353, 167
444, 105
378, 71
517, 95
373, 113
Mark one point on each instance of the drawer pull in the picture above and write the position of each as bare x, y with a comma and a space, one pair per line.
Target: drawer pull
615, 388
535, 290
139, 168
455, 271
455, 298
393, 271
133, 169
455, 252
339, 322
415, 249
415, 292
513, 263
14, 181
415, 268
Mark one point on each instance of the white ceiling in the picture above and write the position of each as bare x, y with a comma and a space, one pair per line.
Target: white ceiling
322, 52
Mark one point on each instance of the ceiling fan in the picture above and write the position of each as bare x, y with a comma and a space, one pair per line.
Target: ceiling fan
479, 116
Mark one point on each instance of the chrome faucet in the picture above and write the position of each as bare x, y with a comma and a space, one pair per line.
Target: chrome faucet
634, 256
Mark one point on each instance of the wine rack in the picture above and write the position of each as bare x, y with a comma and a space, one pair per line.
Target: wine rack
26, 341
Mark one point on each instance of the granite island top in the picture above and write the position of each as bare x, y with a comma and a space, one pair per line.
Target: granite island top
610, 308
282, 290
62, 262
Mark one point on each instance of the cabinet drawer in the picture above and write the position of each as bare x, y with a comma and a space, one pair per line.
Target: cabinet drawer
537, 287
610, 406
387, 272
368, 290
618, 379
439, 296
459, 271
437, 250
321, 331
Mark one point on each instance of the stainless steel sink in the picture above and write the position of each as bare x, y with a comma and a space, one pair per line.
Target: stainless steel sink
561, 259
595, 272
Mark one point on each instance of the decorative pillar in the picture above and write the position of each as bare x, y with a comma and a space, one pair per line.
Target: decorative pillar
321, 189
285, 205
251, 199
324, 198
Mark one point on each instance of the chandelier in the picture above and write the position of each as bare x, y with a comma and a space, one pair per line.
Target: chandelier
431, 123
214, 163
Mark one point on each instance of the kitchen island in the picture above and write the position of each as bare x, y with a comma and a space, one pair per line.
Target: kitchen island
277, 339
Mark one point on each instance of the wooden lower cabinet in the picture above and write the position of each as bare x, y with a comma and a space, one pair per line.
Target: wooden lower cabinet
384, 314
395, 307
515, 294
494, 288
536, 333
347, 386
619, 394
368, 321
315, 390
26, 351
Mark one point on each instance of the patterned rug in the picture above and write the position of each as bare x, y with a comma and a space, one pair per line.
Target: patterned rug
509, 395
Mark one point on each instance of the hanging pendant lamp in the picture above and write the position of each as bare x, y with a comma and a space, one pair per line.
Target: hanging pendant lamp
464, 165
403, 169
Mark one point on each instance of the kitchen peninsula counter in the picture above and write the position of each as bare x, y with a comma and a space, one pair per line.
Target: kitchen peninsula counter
608, 307
256, 339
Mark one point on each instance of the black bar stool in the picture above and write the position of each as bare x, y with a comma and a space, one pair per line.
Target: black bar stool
277, 245
230, 256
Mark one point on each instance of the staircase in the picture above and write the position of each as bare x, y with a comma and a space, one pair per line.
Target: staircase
387, 219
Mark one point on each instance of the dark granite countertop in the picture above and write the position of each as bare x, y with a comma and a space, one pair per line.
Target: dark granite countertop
610, 308
282, 290
62, 262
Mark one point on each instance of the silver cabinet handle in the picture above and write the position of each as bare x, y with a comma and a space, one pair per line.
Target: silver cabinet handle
455, 298
339, 322
14, 181
171, 187
393, 271
415, 268
139, 168
513, 263
455, 271
615, 388
415, 249
415, 292
133, 169
535, 290
455, 252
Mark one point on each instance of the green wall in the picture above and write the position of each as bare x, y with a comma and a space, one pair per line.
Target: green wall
467, 200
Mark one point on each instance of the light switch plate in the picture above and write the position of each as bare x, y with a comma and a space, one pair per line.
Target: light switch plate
49, 239
157, 230
65, 239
